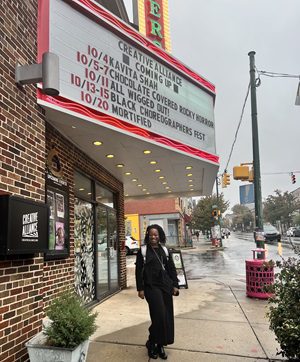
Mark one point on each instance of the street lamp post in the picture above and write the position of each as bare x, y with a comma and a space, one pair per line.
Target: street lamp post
256, 162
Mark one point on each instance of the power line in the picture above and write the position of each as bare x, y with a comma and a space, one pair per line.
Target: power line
238, 127
277, 75
267, 74
280, 173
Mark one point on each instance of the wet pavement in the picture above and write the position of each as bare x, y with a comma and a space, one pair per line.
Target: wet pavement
230, 261
214, 319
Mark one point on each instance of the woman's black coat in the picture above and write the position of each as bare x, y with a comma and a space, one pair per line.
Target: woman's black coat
151, 273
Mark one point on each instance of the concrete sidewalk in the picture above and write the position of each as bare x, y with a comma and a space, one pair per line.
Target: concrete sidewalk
214, 321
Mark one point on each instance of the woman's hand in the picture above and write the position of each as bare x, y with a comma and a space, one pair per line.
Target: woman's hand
141, 294
175, 291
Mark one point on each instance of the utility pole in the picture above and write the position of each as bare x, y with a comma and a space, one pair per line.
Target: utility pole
219, 215
256, 162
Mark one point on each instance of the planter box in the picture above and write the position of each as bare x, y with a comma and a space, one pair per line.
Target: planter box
39, 352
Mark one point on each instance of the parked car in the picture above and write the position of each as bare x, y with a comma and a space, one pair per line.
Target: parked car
296, 232
131, 245
271, 233
225, 232
290, 231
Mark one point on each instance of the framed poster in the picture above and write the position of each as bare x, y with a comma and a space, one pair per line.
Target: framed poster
178, 262
57, 196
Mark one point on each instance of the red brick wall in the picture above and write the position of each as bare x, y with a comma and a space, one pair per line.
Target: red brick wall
72, 158
22, 164
147, 207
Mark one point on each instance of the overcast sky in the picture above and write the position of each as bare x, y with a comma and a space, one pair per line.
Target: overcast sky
213, 38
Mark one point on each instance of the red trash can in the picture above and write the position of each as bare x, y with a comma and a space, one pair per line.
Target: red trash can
258, 275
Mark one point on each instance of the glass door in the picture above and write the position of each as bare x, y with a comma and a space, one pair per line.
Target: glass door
84, 265
107, 251
172, 237
113, 257
102, 252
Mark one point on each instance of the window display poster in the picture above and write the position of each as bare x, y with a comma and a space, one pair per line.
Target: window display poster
60, 205
51, 234
57, 199
51, 203
59, 235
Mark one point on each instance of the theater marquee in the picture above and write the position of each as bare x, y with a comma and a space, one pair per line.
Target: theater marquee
107, 71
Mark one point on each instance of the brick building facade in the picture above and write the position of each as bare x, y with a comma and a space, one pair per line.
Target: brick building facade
28, 283
168, 213
22, 168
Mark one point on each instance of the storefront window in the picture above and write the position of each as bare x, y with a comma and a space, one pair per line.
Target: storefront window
83, 187
96, 240
104, 196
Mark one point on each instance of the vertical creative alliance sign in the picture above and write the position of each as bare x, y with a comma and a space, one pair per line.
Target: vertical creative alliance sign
107, 71
30, 231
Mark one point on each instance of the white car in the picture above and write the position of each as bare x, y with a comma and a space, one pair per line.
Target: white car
225, 233
131, 245
290, 231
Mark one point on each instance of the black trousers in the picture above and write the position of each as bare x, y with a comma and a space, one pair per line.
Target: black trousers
161, 310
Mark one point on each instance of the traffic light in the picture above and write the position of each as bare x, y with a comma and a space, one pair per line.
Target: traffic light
293, 178
251, 175
225, 180
241, 172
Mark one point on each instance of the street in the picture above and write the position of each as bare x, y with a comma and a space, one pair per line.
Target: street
229, 262
226, 263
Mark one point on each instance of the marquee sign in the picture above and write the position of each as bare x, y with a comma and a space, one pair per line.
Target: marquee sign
106, 71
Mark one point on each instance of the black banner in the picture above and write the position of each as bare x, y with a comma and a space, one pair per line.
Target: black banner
23, 226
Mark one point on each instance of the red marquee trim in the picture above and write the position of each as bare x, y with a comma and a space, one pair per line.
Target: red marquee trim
103, 118
43, 28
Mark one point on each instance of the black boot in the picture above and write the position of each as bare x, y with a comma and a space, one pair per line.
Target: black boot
161, 352
152, 350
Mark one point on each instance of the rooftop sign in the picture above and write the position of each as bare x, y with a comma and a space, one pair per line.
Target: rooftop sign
154, 21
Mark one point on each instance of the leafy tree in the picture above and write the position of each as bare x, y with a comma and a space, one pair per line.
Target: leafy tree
296, 219
226, 223
201, 216
280, 206
242, 217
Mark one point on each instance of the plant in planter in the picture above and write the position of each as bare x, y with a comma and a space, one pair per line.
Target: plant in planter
284, 311
65, 338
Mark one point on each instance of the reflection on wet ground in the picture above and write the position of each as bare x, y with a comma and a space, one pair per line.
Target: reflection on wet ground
229, 261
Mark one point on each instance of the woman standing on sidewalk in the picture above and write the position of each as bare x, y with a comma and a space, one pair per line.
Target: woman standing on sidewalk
156, 280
